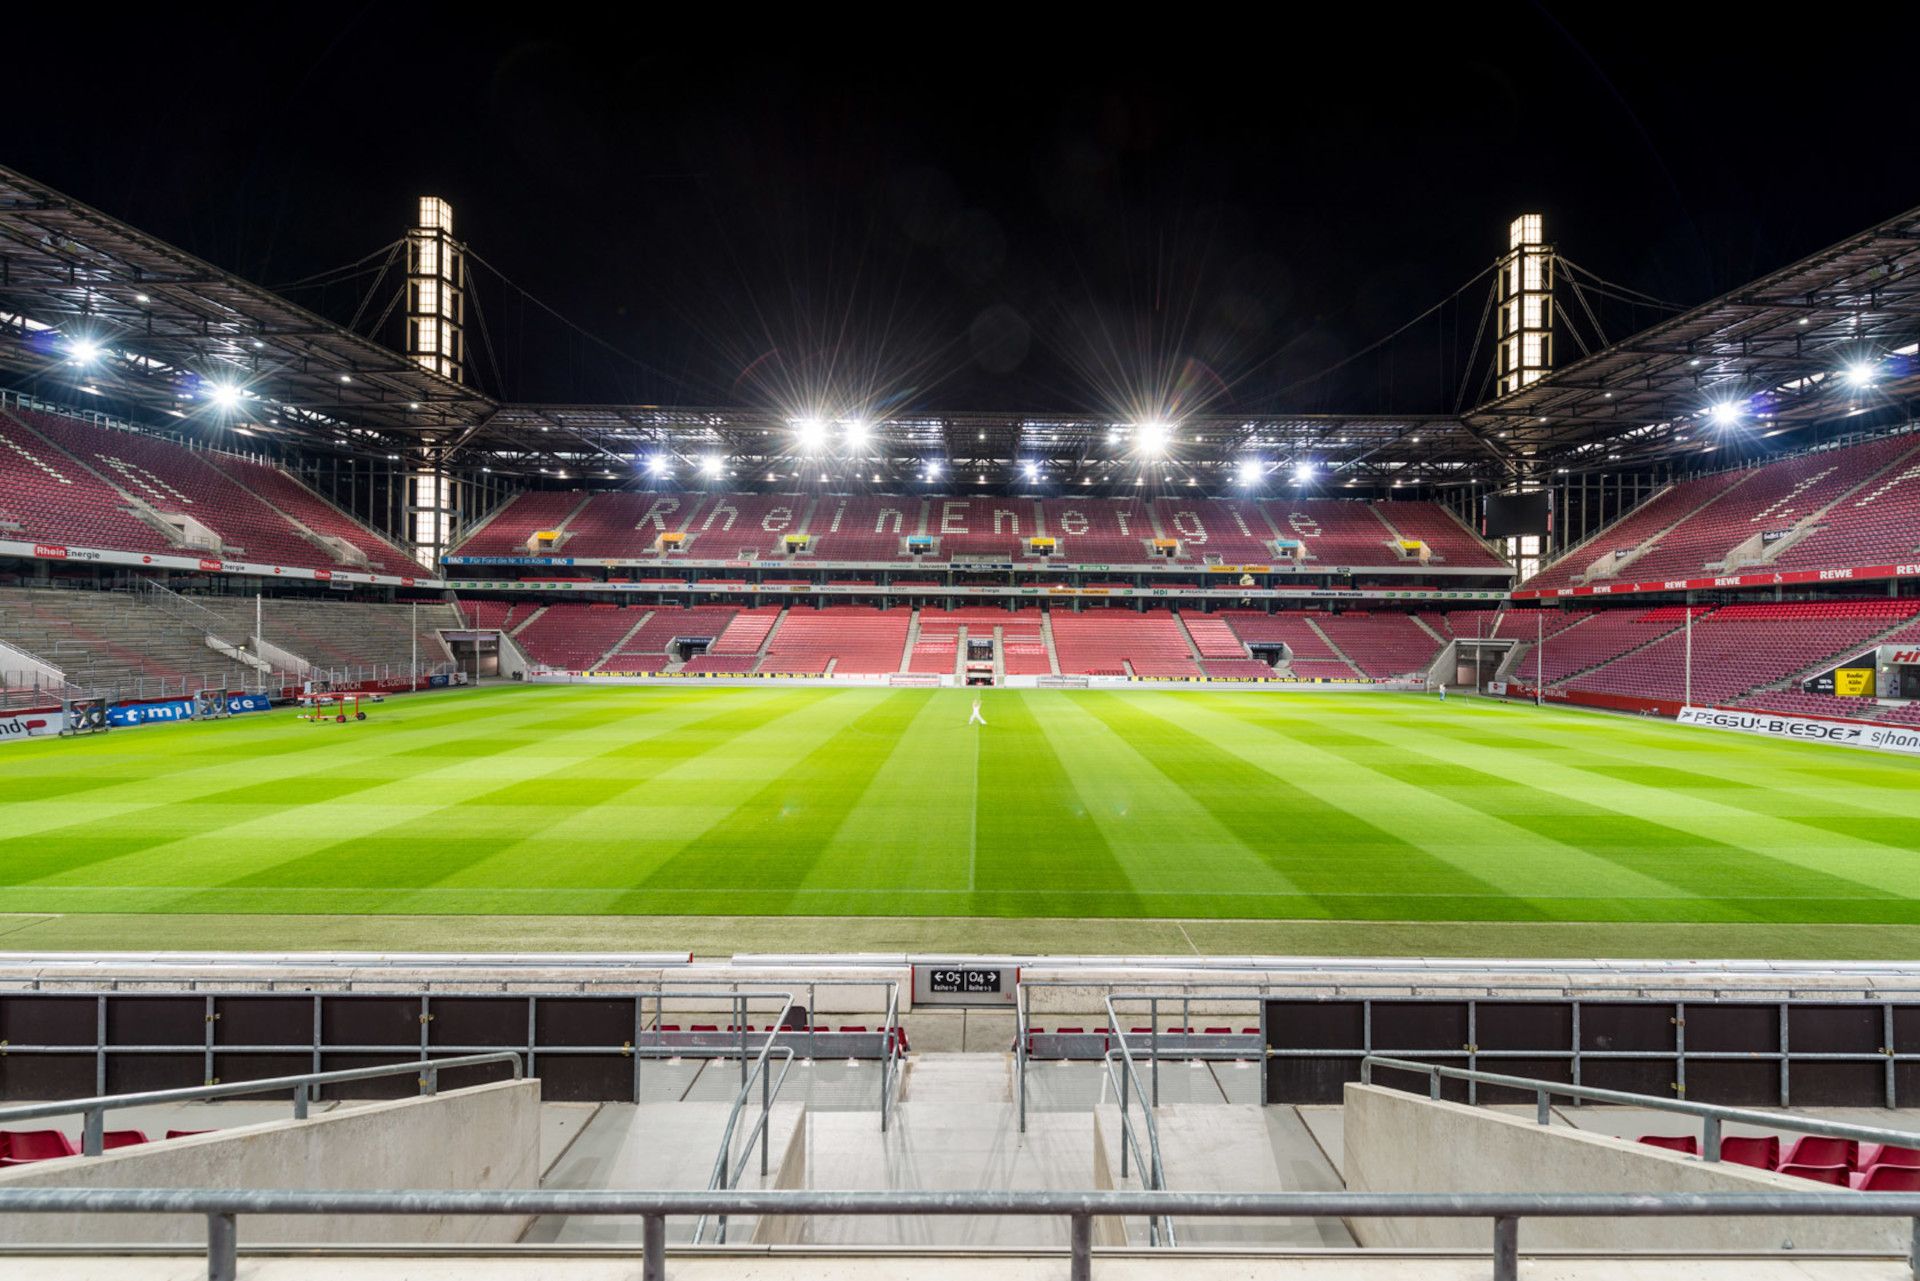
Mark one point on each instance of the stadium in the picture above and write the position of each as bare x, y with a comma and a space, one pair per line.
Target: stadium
825, 830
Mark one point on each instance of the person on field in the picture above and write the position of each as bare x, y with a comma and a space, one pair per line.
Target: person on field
1443, 691
976, 718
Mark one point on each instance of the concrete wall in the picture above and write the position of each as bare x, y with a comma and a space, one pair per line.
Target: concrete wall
484, 1137
1399, 1142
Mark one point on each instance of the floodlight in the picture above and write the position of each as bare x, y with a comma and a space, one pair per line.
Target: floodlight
858, 432
1303, 474
810, 432
1031, 468
84, 351
1860, 374
224, 395
1726, 413
711, 464
1251, 469
1152, 438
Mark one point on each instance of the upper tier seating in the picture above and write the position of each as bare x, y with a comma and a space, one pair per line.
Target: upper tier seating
1830, 509
519, 519
45, 496
1739, 647
627, 524
1382, 645
1104, 642
1230, 531
1097, 531
174, 480
859, 640
1635, 528
729, 524
844, 528
996, 527
1451, 543
1335, 532
1877, 524
1775, 497
296, 500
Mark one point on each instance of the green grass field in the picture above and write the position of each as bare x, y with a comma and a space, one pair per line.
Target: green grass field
732, 819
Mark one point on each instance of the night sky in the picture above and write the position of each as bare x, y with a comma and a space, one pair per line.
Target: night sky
950, 209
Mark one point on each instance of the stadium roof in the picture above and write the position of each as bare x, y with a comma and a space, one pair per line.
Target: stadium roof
1827, 339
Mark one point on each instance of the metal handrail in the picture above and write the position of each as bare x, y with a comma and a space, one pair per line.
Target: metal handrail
891, 1055
722, 1178
94, 1110
223, 1207
1712, 1115
1155, 1171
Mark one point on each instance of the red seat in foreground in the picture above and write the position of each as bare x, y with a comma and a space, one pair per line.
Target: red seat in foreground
122, 1139
1673, 1142
17, 1147
1872, 1154
186, 1134
1834, 1174
1812, 1149
1761, 1153
1887, 1178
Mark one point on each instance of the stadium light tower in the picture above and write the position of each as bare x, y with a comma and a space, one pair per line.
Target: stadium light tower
436, 338
1525, 291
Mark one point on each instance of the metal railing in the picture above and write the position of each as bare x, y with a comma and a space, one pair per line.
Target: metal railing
722, 1177
93, 1111
222, 1209
1153, 1171
1711, 1115
1159, 1044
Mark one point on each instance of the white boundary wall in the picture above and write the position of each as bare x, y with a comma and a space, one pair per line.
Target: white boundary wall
1400, 1142
486, 1137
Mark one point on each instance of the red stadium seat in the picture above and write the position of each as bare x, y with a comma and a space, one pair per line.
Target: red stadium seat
1761, 1153
1886, 1178
1690, 1144
1834, 1174
17, 1147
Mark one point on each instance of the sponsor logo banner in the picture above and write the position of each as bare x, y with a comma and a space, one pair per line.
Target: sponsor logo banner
24, 725
1762, 578
122, 715
202, 564
1885, 738
249, 703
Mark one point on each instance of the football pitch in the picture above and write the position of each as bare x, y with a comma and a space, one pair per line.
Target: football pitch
728, 819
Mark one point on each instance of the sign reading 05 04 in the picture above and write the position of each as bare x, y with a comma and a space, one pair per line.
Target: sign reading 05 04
958, 979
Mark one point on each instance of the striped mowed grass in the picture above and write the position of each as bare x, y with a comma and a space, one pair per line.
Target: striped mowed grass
584, 801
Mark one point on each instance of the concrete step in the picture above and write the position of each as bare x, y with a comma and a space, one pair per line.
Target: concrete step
659, 1146
1230, 1148
959, 1078
939, 1147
